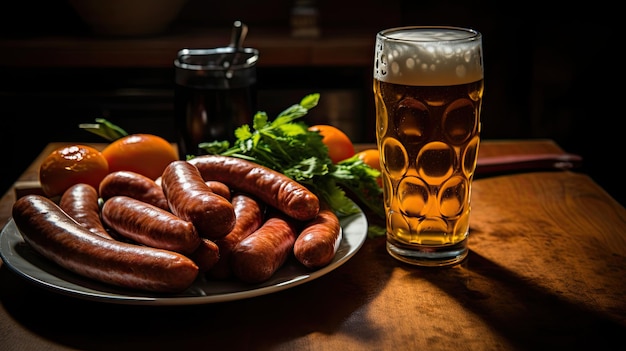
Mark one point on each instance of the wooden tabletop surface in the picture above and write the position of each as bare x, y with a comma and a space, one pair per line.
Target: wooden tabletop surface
546, 270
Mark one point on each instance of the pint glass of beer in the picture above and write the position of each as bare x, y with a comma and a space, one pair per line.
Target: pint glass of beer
428, 90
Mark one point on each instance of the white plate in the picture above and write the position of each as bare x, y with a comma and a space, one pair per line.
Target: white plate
19, 257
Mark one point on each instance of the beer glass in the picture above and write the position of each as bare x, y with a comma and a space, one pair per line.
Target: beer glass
428, 90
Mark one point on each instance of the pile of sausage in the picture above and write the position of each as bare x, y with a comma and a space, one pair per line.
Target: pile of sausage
220, 216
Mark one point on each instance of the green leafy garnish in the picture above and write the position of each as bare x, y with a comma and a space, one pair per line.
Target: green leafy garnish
105, 129
374, 231
287, 146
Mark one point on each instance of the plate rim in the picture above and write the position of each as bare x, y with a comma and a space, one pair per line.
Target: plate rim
354, 233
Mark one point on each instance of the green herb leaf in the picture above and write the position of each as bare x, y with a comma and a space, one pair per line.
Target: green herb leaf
105, 129
374, 231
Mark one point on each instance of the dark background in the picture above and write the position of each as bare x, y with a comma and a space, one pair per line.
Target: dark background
549, 74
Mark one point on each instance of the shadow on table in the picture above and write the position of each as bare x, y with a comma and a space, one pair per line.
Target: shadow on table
529, 316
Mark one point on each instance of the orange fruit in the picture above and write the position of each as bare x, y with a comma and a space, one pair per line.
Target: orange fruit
339, 145
69, 165
146, 154
371, 158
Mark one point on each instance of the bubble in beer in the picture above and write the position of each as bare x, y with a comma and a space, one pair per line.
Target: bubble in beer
395, 67
461, 71
410, 63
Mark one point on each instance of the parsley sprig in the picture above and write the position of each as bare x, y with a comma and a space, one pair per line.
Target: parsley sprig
287, 146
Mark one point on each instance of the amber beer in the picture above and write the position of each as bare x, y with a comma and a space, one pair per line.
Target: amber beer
428, 89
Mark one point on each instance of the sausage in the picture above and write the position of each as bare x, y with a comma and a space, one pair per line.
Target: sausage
149, 225
56, 236
80, 202
249, 213
206, 255
271, 187
219, 188
257, 257
318, 242
134, 185
191, 199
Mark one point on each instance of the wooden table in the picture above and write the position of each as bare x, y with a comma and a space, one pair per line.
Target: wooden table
546, 270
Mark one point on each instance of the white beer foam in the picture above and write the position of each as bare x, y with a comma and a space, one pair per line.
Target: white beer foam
428, 57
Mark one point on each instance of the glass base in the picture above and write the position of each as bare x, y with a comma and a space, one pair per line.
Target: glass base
431, 256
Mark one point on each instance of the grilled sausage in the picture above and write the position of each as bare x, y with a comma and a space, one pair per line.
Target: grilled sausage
206, 255
133, 185
318, 242
191, 199
56, 236
271, 187
80, 201
257, 257
249, 213
219, 188
149, 225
